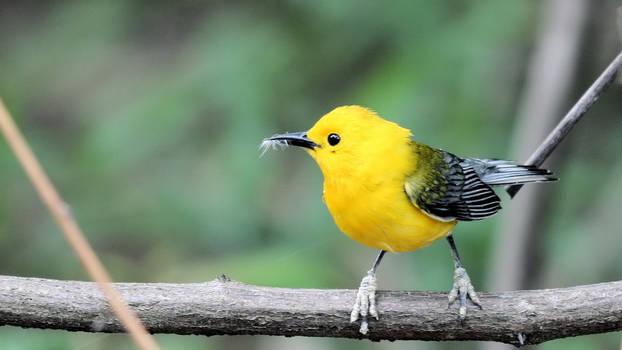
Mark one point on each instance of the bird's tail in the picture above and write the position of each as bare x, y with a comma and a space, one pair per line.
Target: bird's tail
504, 172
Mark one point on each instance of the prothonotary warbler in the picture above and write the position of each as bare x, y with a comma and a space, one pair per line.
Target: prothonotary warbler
394, 194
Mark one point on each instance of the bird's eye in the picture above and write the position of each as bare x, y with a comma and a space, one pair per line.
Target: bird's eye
333, 139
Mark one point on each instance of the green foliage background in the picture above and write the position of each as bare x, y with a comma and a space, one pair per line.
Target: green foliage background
147, 116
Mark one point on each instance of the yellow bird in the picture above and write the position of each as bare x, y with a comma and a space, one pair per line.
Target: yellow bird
394, 194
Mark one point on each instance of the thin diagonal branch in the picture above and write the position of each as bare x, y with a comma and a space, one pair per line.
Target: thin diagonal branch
70, 229
223, 306
572, 117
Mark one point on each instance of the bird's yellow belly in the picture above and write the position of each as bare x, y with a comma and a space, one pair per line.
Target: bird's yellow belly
384, 219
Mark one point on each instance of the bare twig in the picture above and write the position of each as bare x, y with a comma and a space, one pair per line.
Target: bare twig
61, 213
223, 306
572, 117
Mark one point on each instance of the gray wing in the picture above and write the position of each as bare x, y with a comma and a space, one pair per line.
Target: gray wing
449, 188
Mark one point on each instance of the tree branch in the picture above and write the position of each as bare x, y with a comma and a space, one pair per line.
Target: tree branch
572, 118
223, 306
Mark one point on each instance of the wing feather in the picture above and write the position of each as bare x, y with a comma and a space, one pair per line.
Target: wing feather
448, 187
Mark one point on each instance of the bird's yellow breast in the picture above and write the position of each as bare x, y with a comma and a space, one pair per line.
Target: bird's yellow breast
364, 178
369, 204
382, 216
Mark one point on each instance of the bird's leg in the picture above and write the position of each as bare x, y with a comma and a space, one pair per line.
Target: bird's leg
462, 283
365, 303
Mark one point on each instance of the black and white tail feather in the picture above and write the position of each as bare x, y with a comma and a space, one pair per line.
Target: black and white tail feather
478, 199
497, 172
463, 190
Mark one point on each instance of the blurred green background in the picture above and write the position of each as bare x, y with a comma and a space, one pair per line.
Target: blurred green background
147, 116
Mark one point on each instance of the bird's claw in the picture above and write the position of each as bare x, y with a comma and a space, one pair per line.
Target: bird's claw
463, 288
365, 302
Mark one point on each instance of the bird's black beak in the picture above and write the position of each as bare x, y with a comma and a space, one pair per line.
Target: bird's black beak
299, 139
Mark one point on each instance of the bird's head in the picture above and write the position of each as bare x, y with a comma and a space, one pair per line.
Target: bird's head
346, 139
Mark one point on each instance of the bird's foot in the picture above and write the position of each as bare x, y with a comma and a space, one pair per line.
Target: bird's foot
365, 301
463, 288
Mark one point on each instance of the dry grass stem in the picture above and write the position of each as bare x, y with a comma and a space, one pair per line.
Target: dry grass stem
72, 232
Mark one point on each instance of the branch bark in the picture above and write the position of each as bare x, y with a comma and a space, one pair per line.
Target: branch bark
223, 306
